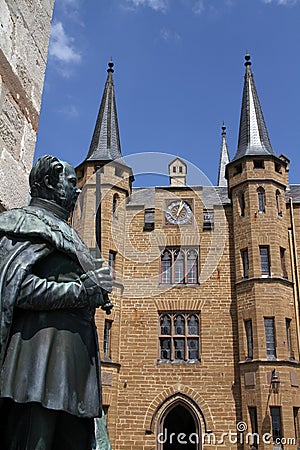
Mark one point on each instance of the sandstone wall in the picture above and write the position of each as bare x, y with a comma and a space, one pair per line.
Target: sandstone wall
24, 39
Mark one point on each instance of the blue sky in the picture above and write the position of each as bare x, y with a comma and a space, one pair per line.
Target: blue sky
179, 67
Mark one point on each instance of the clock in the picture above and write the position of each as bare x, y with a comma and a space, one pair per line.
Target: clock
178, 213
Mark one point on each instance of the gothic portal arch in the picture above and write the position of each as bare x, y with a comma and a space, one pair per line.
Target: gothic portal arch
178, 426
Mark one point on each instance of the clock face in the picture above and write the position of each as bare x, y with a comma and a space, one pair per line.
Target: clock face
178, 213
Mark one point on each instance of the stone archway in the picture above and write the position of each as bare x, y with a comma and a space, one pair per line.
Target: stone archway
179, 428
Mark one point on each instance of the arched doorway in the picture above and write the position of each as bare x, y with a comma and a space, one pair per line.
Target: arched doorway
180, 429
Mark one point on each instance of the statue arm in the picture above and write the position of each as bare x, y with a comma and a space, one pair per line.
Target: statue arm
41, 294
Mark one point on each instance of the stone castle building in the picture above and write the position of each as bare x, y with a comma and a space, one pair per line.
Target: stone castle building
202, 347
24, 39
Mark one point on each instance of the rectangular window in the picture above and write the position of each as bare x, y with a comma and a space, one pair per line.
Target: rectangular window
264, 260
149, 219
245, 263
249, 335
282, 262
270, 337
179, 265
237, 169
118, 172
112, 263
254, 426
208, 219
258, 164
289, 338
296, 425
276, 423
242, 204
106, 338
179, 337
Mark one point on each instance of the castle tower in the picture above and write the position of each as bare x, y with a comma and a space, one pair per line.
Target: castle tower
267, 310
105, 180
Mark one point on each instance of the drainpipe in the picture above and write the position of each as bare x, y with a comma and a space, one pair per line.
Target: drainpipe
295, 272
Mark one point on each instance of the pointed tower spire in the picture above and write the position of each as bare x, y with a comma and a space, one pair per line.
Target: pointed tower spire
253, 135
224, 159
105, 144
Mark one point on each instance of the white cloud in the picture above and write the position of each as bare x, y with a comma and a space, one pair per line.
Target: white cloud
199, 7
282, 2
69, 111
61, 45
156, 5
168, 35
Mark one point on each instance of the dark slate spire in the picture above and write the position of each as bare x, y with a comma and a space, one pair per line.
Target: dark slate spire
253, 135
224, 159
105, 144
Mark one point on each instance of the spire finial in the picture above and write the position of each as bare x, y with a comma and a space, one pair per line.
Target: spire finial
223, 129
247, 59
110, 66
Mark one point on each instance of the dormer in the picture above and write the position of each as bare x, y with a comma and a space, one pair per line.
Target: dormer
177, 172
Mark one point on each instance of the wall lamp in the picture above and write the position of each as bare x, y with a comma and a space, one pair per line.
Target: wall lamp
275, 381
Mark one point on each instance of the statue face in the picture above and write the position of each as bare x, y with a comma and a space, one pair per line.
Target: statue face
66, 190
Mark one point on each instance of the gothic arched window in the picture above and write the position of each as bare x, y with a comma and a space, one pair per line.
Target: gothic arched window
261, 200
179, 265
115, 205
166, 263
278, 203
242, 204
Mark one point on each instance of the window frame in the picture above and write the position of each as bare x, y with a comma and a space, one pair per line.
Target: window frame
171, 275
296, 419
172, 336
208, 219
107, 338
284, 273
261, 200
277, 416
289, 342
112, 255
252, 410
270, 345
249, 338
242, 204
245, 262
278, 202
115, 204
265, 273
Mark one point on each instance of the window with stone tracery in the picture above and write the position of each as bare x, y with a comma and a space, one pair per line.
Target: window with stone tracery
179, 337
179, 265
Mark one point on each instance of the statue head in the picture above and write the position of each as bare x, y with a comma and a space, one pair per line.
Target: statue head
54, 180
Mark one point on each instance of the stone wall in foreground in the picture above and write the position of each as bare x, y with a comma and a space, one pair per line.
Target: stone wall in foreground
24, 40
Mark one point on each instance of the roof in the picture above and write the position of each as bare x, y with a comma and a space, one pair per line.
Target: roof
224, 159
212, 195
293, 191
105, 144
253, 133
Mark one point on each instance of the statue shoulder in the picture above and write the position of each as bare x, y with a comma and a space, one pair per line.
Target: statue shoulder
11, 220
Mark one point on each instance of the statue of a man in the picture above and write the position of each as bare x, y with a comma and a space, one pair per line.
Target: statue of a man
50, 286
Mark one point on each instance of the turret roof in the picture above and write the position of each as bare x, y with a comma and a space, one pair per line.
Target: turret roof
224, 159
105, 144
253, 134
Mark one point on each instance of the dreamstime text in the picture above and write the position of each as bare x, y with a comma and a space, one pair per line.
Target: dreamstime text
238, 436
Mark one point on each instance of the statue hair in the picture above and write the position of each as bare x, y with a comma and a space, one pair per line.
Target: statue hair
45, 165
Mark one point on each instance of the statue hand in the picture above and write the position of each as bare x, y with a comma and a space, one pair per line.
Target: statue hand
102, 278
98, 263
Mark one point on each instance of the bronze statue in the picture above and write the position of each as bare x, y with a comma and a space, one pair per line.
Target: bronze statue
50, 391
